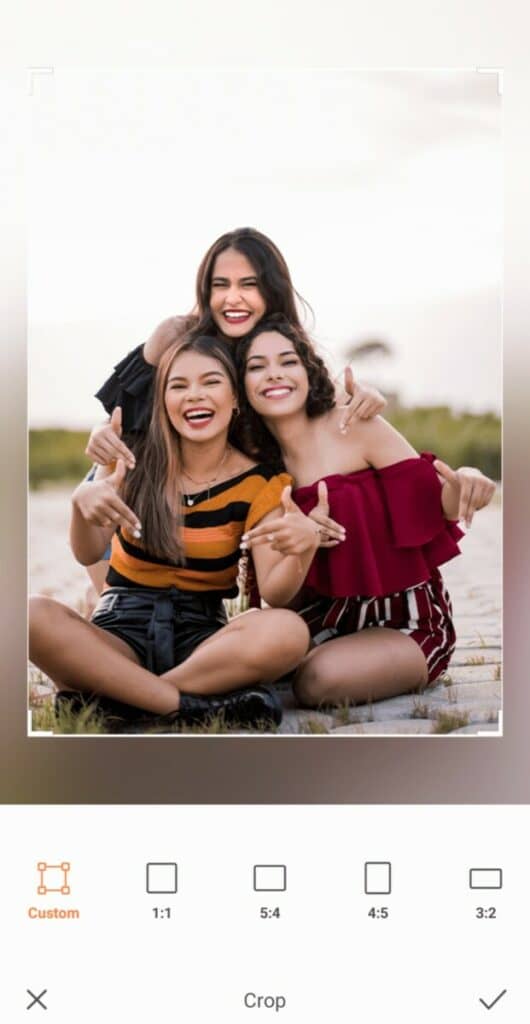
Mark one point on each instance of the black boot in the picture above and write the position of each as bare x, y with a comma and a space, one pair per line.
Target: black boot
255, 707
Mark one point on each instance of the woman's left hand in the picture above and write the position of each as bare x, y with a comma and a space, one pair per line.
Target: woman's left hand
471, 488
292, 533
363, 402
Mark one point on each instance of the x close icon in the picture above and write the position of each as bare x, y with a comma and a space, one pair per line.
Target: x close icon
36, 1000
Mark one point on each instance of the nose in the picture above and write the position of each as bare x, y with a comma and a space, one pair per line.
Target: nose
275, 372
195, 391
233, 296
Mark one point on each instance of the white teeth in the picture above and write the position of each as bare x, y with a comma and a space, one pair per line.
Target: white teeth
236, 316
198, 415
277, 392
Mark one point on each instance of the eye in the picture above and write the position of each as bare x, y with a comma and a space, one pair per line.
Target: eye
290, 362
176, 387
255, 366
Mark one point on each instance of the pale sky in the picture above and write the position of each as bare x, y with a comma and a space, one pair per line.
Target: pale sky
382, 189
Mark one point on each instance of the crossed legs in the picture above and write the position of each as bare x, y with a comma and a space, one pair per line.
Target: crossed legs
256, 647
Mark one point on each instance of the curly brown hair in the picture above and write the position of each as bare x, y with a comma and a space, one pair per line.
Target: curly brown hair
256, 437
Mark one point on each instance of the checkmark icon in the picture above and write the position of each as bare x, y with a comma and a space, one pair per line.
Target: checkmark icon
489, 1006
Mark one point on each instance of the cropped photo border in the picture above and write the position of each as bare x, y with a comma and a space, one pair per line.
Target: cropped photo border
44, 771
405, 172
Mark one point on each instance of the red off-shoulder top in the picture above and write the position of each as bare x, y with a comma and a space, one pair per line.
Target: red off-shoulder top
396, 533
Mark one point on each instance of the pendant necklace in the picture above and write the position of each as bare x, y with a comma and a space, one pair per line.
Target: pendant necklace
190, 498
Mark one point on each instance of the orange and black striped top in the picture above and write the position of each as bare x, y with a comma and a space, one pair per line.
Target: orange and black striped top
211, 534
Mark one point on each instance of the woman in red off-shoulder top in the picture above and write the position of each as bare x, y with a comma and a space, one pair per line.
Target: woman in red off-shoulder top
374, 599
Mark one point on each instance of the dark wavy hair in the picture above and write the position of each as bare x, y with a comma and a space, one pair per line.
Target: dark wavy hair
272, 272
255, 436
154, 487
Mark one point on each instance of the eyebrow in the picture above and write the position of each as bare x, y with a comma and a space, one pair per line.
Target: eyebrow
257, 355
224, 280
208, 373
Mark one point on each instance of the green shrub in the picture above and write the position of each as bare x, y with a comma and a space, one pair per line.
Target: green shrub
463, 439
57, 455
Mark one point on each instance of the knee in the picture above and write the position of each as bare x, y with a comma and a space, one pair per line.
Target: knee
313, 683
44, 613
289, 634
40, 609
278, 641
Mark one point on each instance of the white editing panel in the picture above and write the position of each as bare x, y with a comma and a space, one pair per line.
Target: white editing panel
285, 914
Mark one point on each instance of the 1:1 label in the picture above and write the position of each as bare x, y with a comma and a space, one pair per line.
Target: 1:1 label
162, 913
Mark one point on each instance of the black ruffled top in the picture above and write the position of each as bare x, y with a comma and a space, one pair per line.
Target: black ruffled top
131, 387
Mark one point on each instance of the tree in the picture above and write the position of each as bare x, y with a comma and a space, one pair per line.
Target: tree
369, 348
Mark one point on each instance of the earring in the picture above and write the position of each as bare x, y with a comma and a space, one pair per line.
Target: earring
235, 411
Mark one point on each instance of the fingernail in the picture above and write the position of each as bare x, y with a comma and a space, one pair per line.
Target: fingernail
245, 536
137, 533
243, 546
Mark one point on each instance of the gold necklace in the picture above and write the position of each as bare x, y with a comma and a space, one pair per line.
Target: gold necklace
190, 498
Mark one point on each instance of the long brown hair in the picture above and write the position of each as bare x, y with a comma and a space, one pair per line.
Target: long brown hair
255, 436
272, 272
153, 488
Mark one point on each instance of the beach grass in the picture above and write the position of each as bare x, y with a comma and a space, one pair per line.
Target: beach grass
90, 721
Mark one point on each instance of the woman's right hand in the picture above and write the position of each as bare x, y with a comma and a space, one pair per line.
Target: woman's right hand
99, 503
331, 533
105, 444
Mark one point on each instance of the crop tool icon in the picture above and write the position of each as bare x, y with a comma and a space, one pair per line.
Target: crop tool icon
53, 878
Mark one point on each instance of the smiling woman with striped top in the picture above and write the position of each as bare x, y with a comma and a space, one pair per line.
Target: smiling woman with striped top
158, 646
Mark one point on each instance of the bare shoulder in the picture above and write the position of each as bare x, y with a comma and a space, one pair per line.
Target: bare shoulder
381, 443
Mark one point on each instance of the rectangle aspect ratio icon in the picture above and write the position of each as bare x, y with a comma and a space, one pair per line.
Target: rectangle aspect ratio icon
485, 878
377, 878
161, 878
270, 877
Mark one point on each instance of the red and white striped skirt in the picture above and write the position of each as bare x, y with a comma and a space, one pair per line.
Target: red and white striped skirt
423, 613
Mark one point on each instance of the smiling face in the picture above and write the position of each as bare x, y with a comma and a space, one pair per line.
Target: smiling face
236, 302
199, 397
276, 381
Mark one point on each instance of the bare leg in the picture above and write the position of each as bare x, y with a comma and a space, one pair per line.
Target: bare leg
76, 653
366, 666
259, 646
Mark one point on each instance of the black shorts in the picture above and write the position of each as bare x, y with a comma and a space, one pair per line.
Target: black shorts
163, 626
